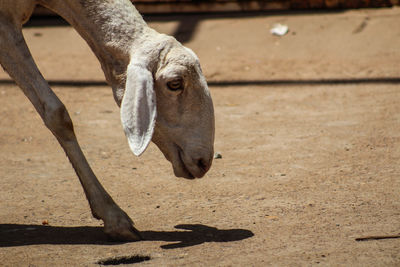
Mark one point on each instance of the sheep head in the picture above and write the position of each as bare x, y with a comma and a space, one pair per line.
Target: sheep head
167, 101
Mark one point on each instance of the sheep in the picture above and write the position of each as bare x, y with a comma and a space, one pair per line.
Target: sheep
156, 81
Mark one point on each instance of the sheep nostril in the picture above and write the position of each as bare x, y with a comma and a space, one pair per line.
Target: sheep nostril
203, 165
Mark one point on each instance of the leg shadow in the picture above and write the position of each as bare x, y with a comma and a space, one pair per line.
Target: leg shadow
12, 235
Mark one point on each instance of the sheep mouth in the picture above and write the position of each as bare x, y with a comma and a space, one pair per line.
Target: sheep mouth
183, 164
178, 163
186, 173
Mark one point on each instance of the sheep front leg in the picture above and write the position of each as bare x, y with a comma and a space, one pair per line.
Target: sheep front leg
17, 60
117, 224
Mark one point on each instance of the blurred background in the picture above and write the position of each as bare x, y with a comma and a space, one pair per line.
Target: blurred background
323, 40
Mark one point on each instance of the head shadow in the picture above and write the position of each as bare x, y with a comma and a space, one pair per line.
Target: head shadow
195, 234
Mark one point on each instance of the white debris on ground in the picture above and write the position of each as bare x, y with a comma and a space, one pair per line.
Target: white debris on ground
279, 29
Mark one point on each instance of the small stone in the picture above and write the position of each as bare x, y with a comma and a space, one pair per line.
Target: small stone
217, 155
28, 139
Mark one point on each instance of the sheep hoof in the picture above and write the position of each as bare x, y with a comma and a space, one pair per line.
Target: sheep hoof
119, 227
129, 234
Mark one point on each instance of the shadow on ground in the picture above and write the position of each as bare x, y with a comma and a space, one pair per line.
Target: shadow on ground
225, 83
12, 235
196, 234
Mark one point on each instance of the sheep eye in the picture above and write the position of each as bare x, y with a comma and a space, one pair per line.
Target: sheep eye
175, 85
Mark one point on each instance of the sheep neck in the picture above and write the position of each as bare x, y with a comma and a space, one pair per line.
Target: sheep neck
111, 29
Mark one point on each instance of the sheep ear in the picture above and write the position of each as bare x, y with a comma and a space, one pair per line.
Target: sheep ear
138, 108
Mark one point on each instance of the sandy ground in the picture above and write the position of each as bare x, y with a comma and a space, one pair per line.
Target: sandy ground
308, 164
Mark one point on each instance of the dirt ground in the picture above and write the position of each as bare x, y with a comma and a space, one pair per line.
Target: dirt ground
308, 126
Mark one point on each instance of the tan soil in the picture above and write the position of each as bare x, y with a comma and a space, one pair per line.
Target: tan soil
305, 169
